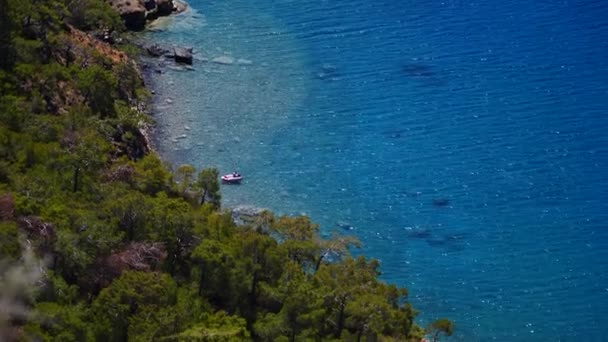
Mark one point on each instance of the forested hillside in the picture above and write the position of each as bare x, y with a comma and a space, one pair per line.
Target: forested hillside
100, 240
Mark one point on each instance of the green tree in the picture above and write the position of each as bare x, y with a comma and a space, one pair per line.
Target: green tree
86, 153
98, 86
341, 283
441, 326
298, 236
264, 262
170, 222
6, 33
13, 114
56, 322
222, 277
93, 15
9, 241
151, 175
185, 173
217, 327
208, 184
337, 248
129, 211
120, 310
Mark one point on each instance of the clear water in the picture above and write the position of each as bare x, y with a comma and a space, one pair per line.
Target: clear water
362, 113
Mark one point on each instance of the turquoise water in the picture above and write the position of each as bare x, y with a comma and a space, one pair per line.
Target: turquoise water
364, 115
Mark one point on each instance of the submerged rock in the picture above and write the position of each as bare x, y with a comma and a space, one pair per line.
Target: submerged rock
328, 71
441, 202
155, 50
223, 60
183, 55
345, 225
418, 70
243, 61
452, 242
418, 233
246, 214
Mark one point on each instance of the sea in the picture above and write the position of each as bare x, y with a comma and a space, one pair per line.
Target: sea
463, 142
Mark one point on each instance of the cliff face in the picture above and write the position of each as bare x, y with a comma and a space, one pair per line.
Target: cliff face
136, 12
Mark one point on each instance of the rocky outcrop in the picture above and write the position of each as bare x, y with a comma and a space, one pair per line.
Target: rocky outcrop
132, 11
150, 5
183, 55
164, 7
136, 12
248, 215
179, 6
156, 50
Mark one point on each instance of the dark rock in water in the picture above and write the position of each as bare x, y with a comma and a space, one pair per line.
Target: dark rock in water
152, 15
456, 237
345, 225
328, 68
155, 50
441, 202
158, 8
436, 242
451, 242
419, 70
328, 71
165, 7
135, 21
150, 5
183, 55
419, 233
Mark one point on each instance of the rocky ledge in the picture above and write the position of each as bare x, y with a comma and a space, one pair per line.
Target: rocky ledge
137, 12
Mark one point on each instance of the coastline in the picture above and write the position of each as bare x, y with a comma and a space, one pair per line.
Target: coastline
100, 162
442, 152
146, 72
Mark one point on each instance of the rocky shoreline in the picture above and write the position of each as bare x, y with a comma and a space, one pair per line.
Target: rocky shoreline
137, 13
136, 16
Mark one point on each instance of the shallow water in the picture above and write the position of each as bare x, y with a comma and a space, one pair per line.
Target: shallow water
463, 142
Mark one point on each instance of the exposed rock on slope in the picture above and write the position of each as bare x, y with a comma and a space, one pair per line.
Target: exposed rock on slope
132, 11
135, 12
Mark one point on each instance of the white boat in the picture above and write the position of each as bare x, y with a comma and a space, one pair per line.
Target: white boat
232, 178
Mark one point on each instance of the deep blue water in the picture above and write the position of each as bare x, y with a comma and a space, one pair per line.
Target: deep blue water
363, 113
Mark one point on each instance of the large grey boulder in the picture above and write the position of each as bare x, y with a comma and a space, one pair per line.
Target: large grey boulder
156, 50
183, 55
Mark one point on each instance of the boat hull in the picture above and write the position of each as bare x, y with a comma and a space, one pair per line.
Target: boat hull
230, 179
